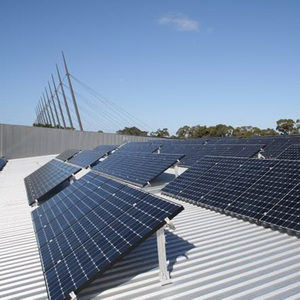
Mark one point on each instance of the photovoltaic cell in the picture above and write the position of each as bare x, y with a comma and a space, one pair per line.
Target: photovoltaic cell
108, 223
137, 168
46, 178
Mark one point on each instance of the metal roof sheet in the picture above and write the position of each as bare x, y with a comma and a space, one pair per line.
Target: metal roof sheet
210, 256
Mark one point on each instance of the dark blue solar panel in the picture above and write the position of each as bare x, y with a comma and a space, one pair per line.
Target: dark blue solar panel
146, 147
189, 176
261, 190
221, 195
3, 162
265, 193
109, 222
87, 158
136, 168
203, 184
46, 178
292, 153
67, 154
106, 148
286, 212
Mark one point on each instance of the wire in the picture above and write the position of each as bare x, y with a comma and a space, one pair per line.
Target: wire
102, 99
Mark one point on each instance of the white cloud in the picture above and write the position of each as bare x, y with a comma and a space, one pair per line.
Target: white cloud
180, 22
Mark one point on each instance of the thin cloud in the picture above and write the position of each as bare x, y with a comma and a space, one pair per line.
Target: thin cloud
180, 22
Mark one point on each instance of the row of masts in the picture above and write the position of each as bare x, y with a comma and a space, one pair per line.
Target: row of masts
45, 115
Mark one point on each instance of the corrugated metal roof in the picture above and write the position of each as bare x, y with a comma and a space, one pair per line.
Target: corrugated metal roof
210, 256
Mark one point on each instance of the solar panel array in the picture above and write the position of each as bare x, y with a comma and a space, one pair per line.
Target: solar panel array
46, 178
259, 190
87, 158
89, 226
136, 168
66, 155
3, 162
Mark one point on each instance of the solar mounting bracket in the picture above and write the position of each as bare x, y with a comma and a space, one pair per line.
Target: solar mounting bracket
35, 203
148, 183
176, 168
164, 275
72, 179
169, 224
260, 156
72, 296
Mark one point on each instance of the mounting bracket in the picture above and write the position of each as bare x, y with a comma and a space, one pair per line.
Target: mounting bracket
73, 296
164, 275
176, 170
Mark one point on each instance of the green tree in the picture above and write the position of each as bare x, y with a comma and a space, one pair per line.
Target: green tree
183, 132
160, 133
100, 131
220, 130
285, 126
132, 131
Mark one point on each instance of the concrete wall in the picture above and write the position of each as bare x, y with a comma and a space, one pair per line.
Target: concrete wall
25, 141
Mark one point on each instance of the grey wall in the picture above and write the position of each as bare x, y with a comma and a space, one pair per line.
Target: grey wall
24, 141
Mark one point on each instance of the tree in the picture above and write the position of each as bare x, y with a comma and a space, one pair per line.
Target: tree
220, 130
183, 132
160, 133
42, 125
100, 131
297, 127
285, 126
132, 131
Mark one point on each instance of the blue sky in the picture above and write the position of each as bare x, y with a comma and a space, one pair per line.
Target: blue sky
169, 63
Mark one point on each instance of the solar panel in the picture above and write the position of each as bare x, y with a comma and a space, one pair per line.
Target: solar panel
67, 154
87, 158
39, 183
136, 168
292, 153
106, 224
146, 147
203, 184
266, 191
3, 162
286, 212
232, 187
106, 148
190, 175
276, 147
238, 150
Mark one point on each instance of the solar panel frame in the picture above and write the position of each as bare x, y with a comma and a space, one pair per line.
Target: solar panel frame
45, 179
79, 265
87, 158
136, 168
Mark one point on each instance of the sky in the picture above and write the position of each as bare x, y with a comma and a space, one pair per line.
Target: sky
168, 63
